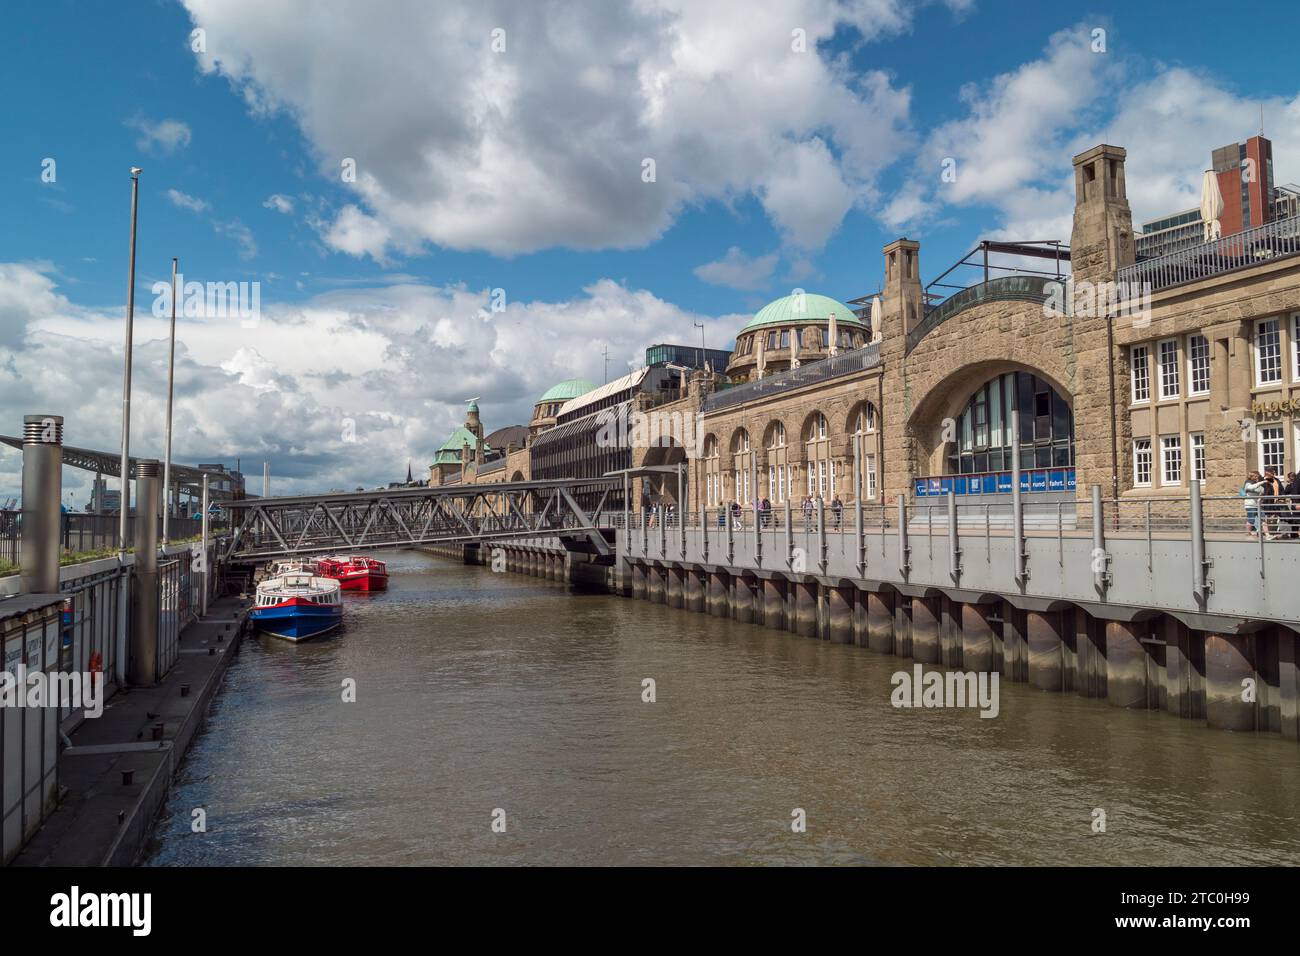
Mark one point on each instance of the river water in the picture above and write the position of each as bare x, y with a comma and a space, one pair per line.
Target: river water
479, 692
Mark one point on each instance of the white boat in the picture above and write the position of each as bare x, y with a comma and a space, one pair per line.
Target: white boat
298, 605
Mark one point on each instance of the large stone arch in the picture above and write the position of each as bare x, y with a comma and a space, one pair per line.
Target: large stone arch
945, 402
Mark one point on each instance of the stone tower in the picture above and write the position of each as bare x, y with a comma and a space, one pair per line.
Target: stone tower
1102, 238
902, 308
1100, 244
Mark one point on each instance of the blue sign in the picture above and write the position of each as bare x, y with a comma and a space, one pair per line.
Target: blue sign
1004, 483
1056, 481
960, 485
1070, 483
920, 487
1038, 481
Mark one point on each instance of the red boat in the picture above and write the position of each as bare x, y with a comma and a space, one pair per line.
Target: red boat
354, 572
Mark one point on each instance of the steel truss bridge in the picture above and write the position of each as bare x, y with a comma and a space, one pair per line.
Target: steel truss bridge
406, 517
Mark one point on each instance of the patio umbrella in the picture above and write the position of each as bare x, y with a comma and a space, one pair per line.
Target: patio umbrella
832, 331
1211, 205
875, 319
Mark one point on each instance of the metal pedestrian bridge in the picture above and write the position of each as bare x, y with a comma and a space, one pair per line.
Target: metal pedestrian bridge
573, 509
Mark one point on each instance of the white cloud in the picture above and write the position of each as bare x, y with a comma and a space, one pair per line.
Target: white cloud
186, 201
166, 135
396, 359
243, 236
230, 228
516, 151
280, 203
738, 271
1014, 146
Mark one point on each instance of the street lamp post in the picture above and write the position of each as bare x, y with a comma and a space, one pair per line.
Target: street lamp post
700, 326
126, 373
167, 459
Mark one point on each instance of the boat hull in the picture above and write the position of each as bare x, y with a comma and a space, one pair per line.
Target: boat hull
297, 620
362, 581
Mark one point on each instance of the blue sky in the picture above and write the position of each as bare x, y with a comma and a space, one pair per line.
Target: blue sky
520, 172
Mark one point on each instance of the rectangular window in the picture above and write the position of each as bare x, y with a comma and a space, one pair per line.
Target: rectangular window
821, 477
1268, 352
1142, 462
1198, 364
1140, 372
1295, 346
1272, 448
1198, 456
1169, 385
871, 476
1171, 460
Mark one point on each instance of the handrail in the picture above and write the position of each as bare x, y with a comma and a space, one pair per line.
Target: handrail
1250, 247
846, 363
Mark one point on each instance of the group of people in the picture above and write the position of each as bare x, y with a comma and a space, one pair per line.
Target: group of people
762, 508
1272, 504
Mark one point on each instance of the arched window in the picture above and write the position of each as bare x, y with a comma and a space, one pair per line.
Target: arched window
864, 426
713, 490
983, 440
780, 472
821, 468
742, 466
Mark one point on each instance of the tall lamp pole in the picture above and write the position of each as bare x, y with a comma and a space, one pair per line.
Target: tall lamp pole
126, 373
700, 326
167, 459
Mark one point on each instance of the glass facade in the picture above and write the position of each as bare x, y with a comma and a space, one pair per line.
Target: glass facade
983, 440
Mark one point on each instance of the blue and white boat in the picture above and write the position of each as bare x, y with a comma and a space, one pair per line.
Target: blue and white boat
298, 605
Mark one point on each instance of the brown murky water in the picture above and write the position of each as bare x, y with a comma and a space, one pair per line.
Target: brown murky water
478, 691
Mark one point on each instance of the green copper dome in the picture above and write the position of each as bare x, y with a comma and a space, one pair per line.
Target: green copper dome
569, 388
449, 451
788, 310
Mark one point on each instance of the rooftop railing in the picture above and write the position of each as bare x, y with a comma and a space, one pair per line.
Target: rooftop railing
846, 363
1252, 247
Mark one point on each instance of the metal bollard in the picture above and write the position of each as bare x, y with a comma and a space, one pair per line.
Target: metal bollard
144, 636
42, 490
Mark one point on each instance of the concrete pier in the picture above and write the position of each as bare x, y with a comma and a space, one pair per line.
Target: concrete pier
977, 642
742, 599
805, 613
839, 615
880, 622
719, 603
774, 603
693, 590
1228, 667
1126, 660
1044, 640
655, 582
674, 588
925, 630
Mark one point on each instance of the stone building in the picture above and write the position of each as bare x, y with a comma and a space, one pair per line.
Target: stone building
1139, 377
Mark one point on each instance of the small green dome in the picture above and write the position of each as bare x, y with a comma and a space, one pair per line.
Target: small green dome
569, 388
788, 310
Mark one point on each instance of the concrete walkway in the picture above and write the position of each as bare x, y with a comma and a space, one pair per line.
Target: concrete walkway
102, 820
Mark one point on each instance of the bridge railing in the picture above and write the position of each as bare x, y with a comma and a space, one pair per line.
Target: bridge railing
83, 533
1276, 518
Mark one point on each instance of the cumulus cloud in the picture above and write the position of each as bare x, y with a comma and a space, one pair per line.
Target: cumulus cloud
186, 201
738, 271
395, 360
1011, 151
278, 202
230, 228
165, 136
510, 147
